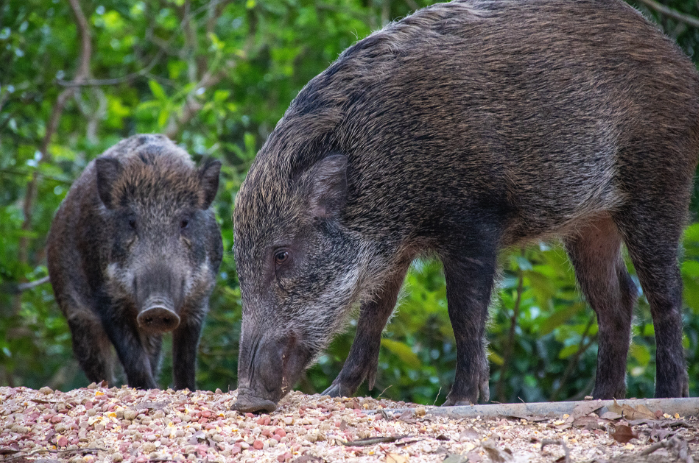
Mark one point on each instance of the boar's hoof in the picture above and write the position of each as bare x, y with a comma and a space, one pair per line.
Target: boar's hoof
251, 404
457, 402
335, 390
158, 320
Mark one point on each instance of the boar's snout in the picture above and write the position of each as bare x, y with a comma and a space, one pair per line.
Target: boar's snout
267, 370
158, 317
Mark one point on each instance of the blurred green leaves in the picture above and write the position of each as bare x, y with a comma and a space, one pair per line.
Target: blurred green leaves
218, 75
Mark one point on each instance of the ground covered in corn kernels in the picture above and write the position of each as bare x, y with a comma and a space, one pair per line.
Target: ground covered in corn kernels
118, 425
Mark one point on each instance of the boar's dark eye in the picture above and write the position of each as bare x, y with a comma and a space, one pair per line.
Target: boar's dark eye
132, 224
184, 224
281, 256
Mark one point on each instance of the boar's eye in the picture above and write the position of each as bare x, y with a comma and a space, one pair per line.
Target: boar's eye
281, 256
132, 224
184, 224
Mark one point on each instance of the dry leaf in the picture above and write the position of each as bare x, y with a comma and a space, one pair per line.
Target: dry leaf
632, 413
583, 409
587, 422
623, 434
610, 416
396, 458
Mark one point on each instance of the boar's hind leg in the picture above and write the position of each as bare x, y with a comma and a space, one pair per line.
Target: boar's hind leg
595, 251
363, 359
652, 233
92, 349
184, 353
469, 273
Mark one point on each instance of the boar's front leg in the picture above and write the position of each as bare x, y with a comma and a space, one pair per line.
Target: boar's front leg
469, 274
185, 341
363, 359
131, 353
92, 347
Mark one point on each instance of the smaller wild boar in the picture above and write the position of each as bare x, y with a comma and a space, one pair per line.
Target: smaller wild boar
133, 253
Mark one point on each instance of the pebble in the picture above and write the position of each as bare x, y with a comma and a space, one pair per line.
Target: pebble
46, 390
258, 444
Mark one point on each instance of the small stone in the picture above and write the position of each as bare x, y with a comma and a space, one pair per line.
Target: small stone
92, 386
280, 432
420, 411
46, 390
62, 441
258, 445
117, 457
130, 414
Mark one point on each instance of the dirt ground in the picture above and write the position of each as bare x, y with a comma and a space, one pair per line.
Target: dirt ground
97, 424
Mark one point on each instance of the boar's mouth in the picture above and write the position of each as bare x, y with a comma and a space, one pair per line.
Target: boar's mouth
248, 402
267, 372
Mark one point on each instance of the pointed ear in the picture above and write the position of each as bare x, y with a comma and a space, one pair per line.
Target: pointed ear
328, 186
209, 180
108, 171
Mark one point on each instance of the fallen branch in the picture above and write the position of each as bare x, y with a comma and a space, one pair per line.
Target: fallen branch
670, 13
58, 452
373, 441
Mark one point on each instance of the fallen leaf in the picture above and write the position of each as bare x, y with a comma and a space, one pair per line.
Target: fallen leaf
632, 413
587, 422
583, 409
623, 434
396, 458
610, 416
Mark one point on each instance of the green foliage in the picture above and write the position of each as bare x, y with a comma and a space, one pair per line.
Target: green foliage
216, 76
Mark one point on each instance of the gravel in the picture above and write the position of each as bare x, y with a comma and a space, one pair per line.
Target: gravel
98, 424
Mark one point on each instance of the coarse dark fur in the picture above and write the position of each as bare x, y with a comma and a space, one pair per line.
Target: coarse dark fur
135, 236
460, 130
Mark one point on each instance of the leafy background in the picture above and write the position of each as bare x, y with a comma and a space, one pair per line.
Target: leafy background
216, 76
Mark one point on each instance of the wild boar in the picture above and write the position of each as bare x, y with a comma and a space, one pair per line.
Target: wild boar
133, 253
463, 129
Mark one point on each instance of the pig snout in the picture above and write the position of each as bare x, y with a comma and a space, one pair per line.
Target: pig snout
158, 317
267, 372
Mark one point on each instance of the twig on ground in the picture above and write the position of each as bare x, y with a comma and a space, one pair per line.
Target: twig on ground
57, 452
373, 441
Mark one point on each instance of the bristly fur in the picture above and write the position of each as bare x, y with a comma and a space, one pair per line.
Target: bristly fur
134, 233
468, 127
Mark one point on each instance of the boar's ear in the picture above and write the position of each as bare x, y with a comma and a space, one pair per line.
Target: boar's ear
209, 180
328, 189
108, 171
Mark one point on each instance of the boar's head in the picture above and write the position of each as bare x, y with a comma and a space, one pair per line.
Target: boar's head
298, 268
155, 208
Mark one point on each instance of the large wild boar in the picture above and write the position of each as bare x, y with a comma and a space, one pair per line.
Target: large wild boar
133, 253
457, 131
